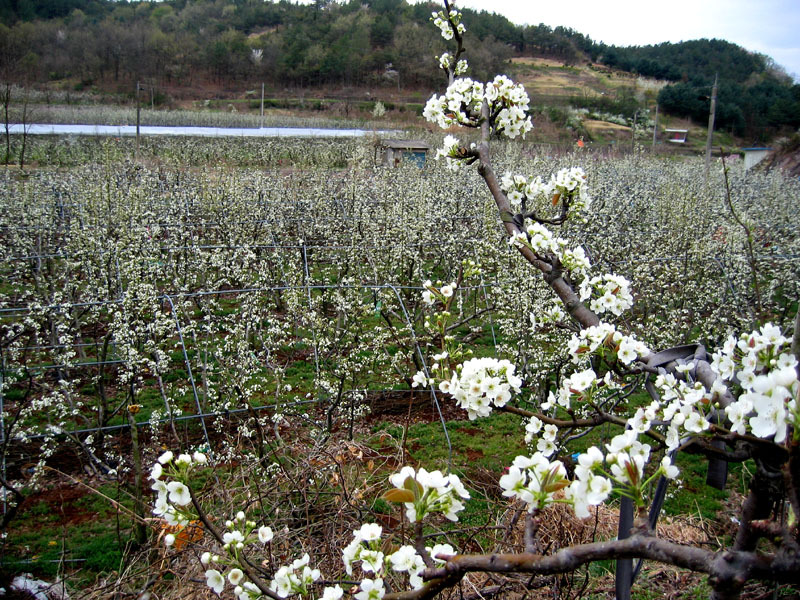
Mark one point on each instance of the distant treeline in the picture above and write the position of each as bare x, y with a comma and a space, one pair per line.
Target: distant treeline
358, 42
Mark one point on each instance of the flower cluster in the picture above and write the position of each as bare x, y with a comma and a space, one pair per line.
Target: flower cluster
608, 293
446, 59
243, 590
588, 488
509, 101
423, 493
684, 406
605, 341
578, 387
481, 383
534, 480
546, 444
542, 242
295, 578
174, 496
767, 372
442, 293
626, 459
443, 22
569, 180
567, 184
462, 101
539, 239
452, 152
459, 105
365, 547
241, 532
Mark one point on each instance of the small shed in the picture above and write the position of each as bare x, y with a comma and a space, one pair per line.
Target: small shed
753, 156
395, 152
677, 136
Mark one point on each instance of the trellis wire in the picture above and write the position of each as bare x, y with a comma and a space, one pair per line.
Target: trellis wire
178, 328
307, 286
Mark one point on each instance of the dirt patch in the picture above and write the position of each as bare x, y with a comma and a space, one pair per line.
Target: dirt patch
785, 158
62, 501
416, 406
474, 454
604, 127
537, 62
470, 431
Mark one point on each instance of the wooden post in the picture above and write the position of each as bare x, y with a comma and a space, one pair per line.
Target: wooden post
711, 115
262, 105
655, 128
140, 531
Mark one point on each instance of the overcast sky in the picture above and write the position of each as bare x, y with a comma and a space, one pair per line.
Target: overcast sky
771, 27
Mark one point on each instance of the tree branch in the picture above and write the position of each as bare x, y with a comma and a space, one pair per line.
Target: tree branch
246, 565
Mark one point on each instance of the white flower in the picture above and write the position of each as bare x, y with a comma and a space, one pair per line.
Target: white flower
695, 423
350, 554
178, 493
369, 532
215, 581
419, 379
441, 549
371, 590
235, 576
770, 418
166, 457
284, 581
371, 560
332, 593
403, 559
669, 470
156, 471
232, 537
582, 380
265, 534
169, 539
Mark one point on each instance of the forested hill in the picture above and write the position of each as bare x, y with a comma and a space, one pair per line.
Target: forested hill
696, 61
236, 43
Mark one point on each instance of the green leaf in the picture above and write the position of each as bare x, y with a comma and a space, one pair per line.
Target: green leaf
414, 487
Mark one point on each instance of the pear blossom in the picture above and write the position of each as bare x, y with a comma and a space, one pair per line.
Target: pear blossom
215, 581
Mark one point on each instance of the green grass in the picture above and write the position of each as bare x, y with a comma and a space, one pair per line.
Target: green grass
86, 529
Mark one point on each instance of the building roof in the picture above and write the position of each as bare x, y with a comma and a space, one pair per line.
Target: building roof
406, 144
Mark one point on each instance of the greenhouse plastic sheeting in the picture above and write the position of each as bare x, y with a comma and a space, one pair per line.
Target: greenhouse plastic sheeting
130, 130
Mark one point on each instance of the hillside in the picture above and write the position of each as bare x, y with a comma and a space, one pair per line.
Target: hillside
375, 49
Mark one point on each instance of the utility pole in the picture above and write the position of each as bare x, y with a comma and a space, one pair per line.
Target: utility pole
711, 115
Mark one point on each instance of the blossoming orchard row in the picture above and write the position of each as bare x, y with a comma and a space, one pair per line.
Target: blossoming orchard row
88, 255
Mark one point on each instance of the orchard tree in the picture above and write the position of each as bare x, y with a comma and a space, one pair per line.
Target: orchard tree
734, 404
